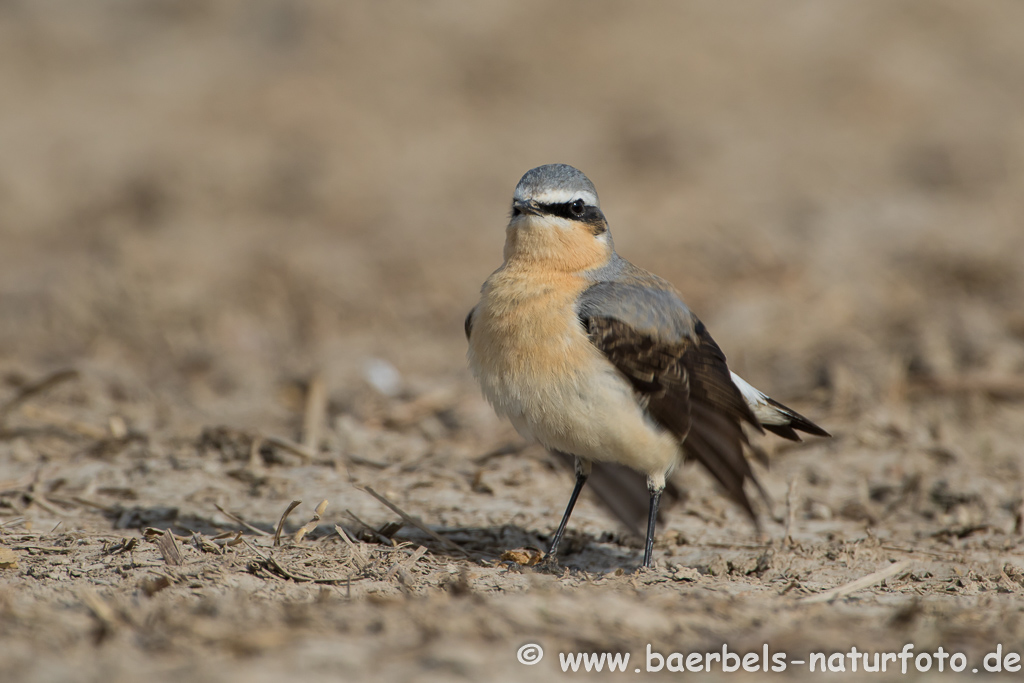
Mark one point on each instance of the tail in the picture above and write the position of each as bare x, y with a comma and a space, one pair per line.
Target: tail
774, 416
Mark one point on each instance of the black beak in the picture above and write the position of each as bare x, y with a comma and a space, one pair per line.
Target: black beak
528, 206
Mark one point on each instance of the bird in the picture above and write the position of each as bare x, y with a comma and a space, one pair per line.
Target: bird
602, 363
618, 488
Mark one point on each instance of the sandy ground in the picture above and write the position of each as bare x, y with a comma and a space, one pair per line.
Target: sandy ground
229, 228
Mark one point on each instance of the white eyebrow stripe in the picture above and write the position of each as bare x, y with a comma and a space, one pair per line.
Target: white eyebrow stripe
560, 196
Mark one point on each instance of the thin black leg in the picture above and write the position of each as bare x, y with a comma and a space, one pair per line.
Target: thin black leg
582, 472
652, 520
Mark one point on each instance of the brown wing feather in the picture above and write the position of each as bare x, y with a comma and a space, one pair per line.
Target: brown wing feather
686, 387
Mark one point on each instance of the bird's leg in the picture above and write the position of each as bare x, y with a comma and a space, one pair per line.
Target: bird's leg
582, 472
654, 487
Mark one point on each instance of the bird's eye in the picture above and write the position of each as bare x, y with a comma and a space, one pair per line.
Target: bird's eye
578, 207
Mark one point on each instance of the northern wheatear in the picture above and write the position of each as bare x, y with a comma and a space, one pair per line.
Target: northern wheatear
601, 360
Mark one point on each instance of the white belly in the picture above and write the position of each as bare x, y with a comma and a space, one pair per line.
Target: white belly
537, 367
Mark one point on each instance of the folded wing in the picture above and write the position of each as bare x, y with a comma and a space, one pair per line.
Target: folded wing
678, 372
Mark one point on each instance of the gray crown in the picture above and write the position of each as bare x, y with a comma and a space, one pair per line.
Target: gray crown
550, 177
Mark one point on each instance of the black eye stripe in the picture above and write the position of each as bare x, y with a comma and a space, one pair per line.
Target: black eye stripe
564, 210
591, 215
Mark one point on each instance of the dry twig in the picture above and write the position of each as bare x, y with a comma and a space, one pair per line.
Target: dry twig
168, 546
100, 609
255, 462
93, 504
270, 562
35, 388
238, 520
791, 503
416, 523
859, 584
316, 411
408, 563
280, 524
357, 557
103, 613
10, 485
312, 523
381, 537
945, 555
57, 549
228, 539
292, 447
42, 502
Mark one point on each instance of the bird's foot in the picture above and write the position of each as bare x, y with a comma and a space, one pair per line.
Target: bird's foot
647, 567
549, 565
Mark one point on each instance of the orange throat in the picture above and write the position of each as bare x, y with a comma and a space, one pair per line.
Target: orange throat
550, 245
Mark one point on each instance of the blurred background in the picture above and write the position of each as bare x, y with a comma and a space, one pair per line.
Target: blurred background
202, 200
217, 212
